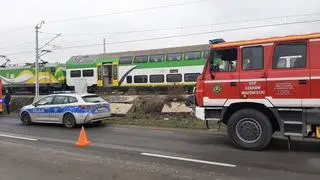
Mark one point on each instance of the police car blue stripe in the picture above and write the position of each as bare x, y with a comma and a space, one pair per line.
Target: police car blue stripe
72, 109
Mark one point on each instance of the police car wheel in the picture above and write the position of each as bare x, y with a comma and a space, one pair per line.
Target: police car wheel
25, 118
69, 121
250, 129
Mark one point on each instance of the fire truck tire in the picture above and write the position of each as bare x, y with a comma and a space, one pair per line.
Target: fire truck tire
250, 129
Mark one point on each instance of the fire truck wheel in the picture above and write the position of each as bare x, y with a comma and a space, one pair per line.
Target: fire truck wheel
250, 129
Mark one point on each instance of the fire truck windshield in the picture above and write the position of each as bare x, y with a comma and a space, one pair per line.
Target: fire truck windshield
223, 60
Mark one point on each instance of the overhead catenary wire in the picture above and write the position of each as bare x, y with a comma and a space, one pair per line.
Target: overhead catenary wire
16, 29
190, 34
106, 14
127, 11
285, 17
176, 36
191, 26
18, 53
23, 44
123, 12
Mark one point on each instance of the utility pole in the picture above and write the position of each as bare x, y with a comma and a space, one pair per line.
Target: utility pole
38, 26
104, 45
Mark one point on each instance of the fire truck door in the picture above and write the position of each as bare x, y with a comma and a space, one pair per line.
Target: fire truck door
253, 75
314, 73
225, 82
288, 80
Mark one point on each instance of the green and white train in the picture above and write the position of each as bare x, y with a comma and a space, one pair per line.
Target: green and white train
21, 77
178, 66
155, 68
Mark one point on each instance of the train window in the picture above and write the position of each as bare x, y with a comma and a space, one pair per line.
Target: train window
125, 60
75, 73
192, 55
129, 79
174, 77
140, 59
157, 78
174, 57
191, 77
87, 73
156, 58
140, 79
206, 54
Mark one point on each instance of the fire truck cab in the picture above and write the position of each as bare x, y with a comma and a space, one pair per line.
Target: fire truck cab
261, 86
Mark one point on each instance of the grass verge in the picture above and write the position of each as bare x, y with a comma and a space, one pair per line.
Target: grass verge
168, 121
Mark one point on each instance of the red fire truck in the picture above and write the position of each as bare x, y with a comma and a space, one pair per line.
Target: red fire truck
261, 86
1, 103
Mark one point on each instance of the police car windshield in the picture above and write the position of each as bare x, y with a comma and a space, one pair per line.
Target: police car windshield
93, 99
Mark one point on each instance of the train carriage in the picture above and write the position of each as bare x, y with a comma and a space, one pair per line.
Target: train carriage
148, 68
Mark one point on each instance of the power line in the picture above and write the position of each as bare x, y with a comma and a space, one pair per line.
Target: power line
23, 44
15, 29
18, 53
17, 45
50, 33
107, 14
191, 34
191, 26
127, 11
124, 12
177, 36
57, 35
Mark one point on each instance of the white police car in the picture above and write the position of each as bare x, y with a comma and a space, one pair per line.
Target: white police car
67, 109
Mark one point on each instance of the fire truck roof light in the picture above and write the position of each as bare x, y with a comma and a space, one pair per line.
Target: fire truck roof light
216, 41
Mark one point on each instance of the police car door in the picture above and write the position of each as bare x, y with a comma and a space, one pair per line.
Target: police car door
57, 108
40, 110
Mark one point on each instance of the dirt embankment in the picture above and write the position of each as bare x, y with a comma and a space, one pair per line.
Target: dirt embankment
146, 111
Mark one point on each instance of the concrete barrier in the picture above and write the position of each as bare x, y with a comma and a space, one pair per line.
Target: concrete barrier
176, 107
120, 108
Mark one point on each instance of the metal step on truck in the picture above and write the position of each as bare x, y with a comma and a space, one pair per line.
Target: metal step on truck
262, 86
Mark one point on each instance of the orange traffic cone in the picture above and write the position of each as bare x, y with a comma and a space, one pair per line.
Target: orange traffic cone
83, 141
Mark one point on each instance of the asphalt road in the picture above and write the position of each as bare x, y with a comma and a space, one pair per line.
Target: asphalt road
136, 153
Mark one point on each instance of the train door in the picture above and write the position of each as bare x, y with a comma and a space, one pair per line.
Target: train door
115, 66
108, 74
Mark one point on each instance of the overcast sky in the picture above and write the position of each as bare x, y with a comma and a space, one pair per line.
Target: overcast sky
18, 18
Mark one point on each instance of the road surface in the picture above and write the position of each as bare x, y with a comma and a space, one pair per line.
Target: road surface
138, 153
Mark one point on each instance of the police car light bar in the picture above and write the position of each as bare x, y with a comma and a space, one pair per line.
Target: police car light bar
216, 41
